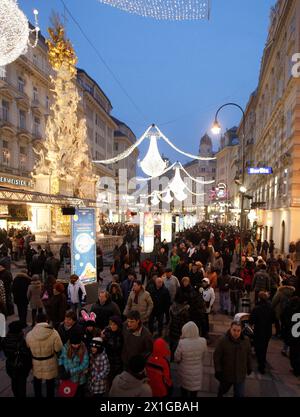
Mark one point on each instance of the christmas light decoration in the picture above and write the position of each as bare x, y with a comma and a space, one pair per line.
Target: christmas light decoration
177, 185
153, 164
14, 33
164, 9
180, 196
167, 198
153, 133
155, 200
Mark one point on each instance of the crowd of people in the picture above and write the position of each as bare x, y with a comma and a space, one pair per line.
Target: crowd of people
154, 311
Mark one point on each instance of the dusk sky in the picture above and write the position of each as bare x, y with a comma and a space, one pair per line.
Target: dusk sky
177, 73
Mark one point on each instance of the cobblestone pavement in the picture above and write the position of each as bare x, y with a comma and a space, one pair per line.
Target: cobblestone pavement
277, 382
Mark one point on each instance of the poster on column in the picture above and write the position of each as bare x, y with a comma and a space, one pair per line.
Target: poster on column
148, 233
141, 239
84, 245
177, 225
181, 224
166, 227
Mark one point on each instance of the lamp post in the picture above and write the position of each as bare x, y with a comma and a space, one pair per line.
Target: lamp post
216, 129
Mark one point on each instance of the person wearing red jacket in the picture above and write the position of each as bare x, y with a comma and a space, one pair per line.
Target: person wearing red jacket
158, 369
247, 273
145, 268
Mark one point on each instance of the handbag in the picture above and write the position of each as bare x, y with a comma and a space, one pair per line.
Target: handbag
45, 296
67, 388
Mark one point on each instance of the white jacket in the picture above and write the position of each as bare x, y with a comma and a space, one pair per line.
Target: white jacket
73, 290
209, 296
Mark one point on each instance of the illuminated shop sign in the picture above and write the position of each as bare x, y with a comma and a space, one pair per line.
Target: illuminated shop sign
15, 181
260, 170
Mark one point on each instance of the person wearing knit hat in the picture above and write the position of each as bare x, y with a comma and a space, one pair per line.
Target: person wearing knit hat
74, 359
17, 370
99, 368
113, 342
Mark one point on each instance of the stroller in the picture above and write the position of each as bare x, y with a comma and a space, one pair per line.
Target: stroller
247, 330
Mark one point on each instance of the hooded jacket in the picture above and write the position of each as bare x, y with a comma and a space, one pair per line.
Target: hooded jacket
127, 385
34, 294
190, 356
158, 369
44, 343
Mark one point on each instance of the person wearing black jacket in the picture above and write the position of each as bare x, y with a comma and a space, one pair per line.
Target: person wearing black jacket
262, 317
104, 308
196, 277
57, 305
18, 358
19, 290
7, 279
161, 305
69, 326
181, 270
52, 265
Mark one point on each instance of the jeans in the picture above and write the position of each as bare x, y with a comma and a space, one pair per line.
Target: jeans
37, 385
261, 347
224, 300
186, 393
238, 389
235, 301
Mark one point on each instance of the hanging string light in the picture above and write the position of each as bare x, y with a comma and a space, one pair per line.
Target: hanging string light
153, 163
164, 9
14, 33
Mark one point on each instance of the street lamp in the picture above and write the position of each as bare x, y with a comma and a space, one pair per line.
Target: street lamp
216, 129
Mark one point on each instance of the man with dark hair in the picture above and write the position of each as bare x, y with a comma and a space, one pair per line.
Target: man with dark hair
261, 281
133, 382
104, 308
137, 338
52, 265
161, 304
69, 326
44, 343
232, 360
139, 300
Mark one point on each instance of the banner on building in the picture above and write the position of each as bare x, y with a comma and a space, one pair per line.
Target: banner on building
177, 224
141, 237
148, 233
83, 240
166, 227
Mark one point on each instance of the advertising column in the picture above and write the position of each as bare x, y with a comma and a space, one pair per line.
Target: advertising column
166, 227
148, 233
84, 245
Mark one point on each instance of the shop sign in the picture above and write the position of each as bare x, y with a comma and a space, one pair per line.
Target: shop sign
260, 170
15, 181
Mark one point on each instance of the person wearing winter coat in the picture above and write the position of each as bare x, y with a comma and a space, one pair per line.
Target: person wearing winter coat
190, 356
18, 358
161, 305
52, 265
104, 308
69, 326
171, 283
232, 361
58, 305
19, 290
179, 315
76, 293
236, 290
34, 297
99, 368
2, 299
223, 285
181, 270
279, 302
158, 369
196, 277
262, 318
139, 300
90, 330
74, 362
209, 297
44, 343
116, 296
132, 382
127, 284
261, 281
113, 342
137, 338
6, 278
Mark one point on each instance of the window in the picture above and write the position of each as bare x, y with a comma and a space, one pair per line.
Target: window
22, 119
36, 126
202, 169
116, 146
47, 102
5, 110
5, 153
275, 187
21, 84
288, 123
35, 59
23, 157
35, 94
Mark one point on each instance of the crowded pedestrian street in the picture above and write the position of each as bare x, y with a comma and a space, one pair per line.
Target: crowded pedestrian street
149, 204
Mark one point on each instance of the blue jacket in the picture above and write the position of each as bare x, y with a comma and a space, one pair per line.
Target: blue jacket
77, 369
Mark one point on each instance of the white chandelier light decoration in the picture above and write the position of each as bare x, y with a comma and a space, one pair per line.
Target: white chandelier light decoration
180, 196
155, 199
168, 198
177, 185
14, 33
153, 165
164, 9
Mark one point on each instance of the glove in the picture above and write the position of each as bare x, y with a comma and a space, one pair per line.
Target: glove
218, 376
